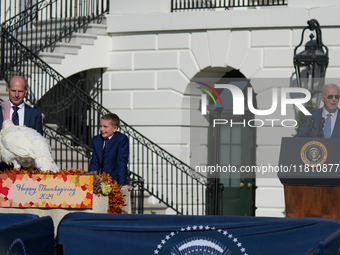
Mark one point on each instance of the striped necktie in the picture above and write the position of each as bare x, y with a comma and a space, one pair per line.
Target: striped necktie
106, 141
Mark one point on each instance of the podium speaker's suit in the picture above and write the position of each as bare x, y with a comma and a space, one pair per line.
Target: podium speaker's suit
317, 114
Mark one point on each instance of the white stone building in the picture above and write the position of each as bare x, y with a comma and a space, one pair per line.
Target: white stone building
150, 55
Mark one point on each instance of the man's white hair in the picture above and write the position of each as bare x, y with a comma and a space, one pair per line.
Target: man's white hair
330, 85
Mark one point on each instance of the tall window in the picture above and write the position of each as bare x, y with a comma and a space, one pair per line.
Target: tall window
235, 148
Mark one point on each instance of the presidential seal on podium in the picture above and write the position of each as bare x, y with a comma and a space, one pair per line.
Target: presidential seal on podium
313, 154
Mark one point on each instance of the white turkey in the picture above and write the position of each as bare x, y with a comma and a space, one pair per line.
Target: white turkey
25, 147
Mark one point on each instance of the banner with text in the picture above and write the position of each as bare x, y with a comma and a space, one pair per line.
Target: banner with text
49, 191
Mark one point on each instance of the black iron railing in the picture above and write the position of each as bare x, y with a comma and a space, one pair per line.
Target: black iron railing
40, 24
67, 152
214, 198
165, 177
137, 193
169, 179
185, 5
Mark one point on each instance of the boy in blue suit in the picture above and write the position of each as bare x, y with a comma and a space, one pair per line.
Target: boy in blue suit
115, 146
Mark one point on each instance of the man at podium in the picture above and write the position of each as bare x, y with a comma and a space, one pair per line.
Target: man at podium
324, 122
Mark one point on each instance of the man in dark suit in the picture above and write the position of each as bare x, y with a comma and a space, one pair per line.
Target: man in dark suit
330, 113
22, 113
25, 115
111, 150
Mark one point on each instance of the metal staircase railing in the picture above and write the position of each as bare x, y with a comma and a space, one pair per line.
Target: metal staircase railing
67, 152
210, 5
40, 25
165, 177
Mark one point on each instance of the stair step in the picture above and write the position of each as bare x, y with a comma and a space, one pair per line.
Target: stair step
91, 28
79, 38
96, 29
152, 205
75, 38
68, 45
66, 21
52, 125
51, 58
42, 35
65, 48
154, 208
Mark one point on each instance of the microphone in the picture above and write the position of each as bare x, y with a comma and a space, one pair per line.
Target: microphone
320, 127
311, 125
311, 122
322, 122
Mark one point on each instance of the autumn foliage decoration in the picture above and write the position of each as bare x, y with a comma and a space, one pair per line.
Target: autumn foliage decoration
104, 185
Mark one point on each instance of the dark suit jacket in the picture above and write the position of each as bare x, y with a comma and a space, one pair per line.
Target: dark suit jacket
317, 114
116, 156
32, 118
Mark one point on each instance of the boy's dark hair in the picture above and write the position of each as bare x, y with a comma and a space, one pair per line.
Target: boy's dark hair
115, 121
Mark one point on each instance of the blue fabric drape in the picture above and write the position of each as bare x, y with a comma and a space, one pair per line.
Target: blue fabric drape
165, 234
33, 237
12, 218
328, 246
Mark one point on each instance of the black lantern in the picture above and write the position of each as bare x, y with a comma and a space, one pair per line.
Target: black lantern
310, 65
